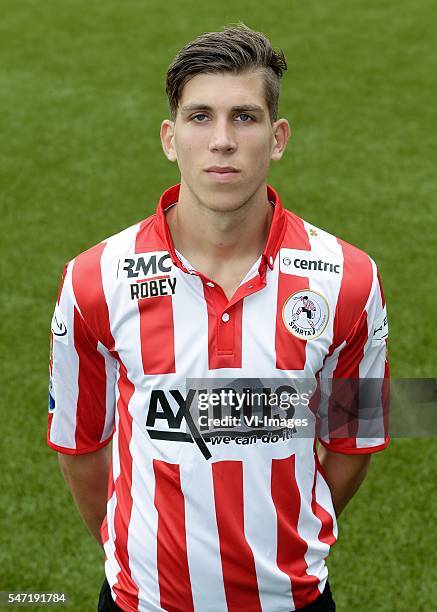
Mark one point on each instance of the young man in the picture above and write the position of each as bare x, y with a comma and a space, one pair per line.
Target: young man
221, 283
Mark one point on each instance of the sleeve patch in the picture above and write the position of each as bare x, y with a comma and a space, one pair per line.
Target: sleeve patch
380, 329
58, 327
51, 396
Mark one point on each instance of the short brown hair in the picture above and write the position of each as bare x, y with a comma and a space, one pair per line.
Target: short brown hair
236, 49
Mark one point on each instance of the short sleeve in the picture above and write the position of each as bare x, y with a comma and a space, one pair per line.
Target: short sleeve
353, 411
82, 379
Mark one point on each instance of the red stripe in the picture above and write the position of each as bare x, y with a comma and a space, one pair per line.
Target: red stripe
290, 350
326, 533
343, 409
49, 428
146, 280
104, 530
348, 364
350, 326
91, 400
356, 285
237, 313
88, 289
90, 296
125, 589
111, 487
157, 335
91, 324
365, 450
156, 314
238, 565
291, 548
173, 571
148, 238
224, 338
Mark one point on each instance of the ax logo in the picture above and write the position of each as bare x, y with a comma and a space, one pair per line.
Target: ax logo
202, 416
161, 410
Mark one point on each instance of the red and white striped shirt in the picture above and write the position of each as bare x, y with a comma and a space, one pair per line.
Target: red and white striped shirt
238, 527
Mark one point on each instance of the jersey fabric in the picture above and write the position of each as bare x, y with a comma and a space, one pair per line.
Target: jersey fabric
203, 526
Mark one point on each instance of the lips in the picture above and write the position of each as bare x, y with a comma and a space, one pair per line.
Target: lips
222, 170
223, 174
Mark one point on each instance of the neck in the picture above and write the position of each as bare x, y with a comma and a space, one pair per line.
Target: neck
203, 232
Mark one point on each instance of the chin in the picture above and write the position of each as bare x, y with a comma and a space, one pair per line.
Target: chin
220, 200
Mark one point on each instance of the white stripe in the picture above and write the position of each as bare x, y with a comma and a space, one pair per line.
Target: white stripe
190, 317
191, 356
125, 327
112, 567
65, 372
143, 525
123, 312
261, 530
372, 366
325, 247
324, 499
115, 449
111, 371
308, 525
202, 537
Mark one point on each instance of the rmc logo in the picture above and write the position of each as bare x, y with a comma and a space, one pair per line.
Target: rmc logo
145, 265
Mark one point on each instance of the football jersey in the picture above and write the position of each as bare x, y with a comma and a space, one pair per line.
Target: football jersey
206, 518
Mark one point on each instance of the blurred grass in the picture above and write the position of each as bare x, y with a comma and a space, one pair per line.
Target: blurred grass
81, 101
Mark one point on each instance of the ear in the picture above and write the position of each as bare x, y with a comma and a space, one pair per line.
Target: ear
167, 136
281, 134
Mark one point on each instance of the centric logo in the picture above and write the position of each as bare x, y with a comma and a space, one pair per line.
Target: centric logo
306, 314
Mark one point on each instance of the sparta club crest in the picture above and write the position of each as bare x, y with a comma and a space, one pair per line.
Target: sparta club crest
305, 314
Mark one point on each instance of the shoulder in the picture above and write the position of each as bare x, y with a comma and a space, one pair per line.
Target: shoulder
113, 246
90, 277
342, 269
90, 264
356, 268
321, 240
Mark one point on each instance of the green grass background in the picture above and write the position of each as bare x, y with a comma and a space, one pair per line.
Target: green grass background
81, 101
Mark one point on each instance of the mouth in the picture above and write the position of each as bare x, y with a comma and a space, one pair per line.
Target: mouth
223, 173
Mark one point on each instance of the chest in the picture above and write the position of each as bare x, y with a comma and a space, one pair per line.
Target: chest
179, 327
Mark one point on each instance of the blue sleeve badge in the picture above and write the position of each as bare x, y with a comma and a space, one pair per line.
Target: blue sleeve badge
51, 396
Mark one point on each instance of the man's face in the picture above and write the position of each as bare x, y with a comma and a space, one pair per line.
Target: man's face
223, 123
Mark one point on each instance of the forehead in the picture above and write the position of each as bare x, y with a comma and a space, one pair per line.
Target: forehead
225, 89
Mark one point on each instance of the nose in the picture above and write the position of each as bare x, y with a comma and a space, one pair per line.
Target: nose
222, 137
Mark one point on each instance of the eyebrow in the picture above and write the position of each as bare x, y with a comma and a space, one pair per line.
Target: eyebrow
241, 107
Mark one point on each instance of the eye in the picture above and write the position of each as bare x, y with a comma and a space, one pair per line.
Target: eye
197, 117
246, 117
